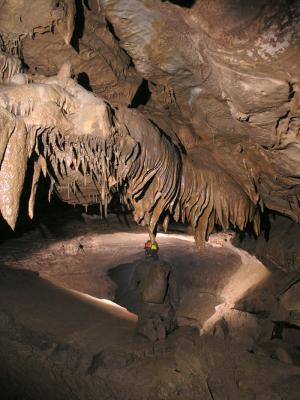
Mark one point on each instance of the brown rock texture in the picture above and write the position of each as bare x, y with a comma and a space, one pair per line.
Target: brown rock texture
215, 138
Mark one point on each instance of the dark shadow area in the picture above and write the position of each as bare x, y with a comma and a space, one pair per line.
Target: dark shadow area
51, 215
265, 223
266, 217
111, 29
84, 80
79, 25
142, 95
182, 3
280, 327
86, 3
278, 244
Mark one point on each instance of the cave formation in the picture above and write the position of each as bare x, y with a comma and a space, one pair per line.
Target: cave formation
160, 120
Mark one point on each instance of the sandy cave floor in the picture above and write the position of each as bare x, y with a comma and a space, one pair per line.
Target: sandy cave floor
63, 337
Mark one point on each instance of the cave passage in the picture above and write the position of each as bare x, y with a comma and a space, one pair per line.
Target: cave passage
149, 200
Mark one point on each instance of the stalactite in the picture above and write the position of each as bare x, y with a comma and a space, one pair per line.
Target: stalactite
36, 176
12, 174
7, 127
10, 65
154, 178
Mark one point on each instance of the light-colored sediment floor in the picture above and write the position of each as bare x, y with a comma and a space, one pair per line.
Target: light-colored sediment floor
76, 287
62, 337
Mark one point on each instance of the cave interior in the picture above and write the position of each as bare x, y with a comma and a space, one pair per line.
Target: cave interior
149, 200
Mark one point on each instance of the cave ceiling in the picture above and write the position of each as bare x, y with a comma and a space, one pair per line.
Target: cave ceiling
188, 109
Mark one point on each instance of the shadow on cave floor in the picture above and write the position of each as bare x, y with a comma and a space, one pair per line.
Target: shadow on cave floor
38, 305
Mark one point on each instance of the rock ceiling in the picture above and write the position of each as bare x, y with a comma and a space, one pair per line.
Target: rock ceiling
187, 109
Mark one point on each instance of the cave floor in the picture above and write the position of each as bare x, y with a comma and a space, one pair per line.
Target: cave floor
63, 337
